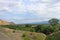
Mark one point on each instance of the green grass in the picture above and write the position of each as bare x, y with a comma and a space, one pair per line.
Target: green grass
40, 36
26, 38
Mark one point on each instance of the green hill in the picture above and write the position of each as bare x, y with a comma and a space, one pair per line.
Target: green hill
54, 36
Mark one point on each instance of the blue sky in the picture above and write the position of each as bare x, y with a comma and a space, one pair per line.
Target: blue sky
28, 11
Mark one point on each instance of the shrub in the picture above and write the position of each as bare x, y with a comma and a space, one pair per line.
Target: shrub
37, 36
32, 29
25, 36
54, 36
40, 36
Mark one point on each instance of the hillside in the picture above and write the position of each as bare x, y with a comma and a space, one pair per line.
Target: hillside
8, 34
54, 36
2, 22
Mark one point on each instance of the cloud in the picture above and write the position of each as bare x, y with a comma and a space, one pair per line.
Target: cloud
12, 6
29, 9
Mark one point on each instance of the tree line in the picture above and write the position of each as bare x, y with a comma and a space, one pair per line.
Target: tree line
49, 28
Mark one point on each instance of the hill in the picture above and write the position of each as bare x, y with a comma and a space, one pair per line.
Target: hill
2, 22
8, 34
54, 36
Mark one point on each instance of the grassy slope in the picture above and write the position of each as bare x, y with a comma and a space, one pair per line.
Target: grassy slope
35, 36
54, 36
8, 33
18, 35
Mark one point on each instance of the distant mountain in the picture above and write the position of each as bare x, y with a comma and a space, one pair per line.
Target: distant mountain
42, 22
2, 22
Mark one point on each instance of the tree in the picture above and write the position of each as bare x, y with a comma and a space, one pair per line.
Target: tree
28, 25
38, 28
46, 29
53, 21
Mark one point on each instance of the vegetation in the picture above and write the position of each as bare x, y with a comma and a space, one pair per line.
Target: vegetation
33, 36
53, 26
25, 36
53, 21
40, 36
54, 36
47, 29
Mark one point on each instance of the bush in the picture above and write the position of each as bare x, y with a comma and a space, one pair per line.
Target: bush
32, 29
46, 29
38, 28
37, 36
54, 36
40, 36
25, 36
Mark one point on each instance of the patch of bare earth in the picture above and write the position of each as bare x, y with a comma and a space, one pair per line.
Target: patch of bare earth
8, 34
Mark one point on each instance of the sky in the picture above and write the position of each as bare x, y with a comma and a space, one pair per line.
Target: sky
28, 11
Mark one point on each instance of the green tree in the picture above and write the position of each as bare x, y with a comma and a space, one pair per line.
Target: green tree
28, 25
38, 28
46, 29
53, 21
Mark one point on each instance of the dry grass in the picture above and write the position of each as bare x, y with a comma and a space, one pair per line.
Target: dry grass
18, 34
35, 36
7, 30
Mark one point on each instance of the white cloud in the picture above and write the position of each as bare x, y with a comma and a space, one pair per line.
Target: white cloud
47, 10
45, 0
41, 8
